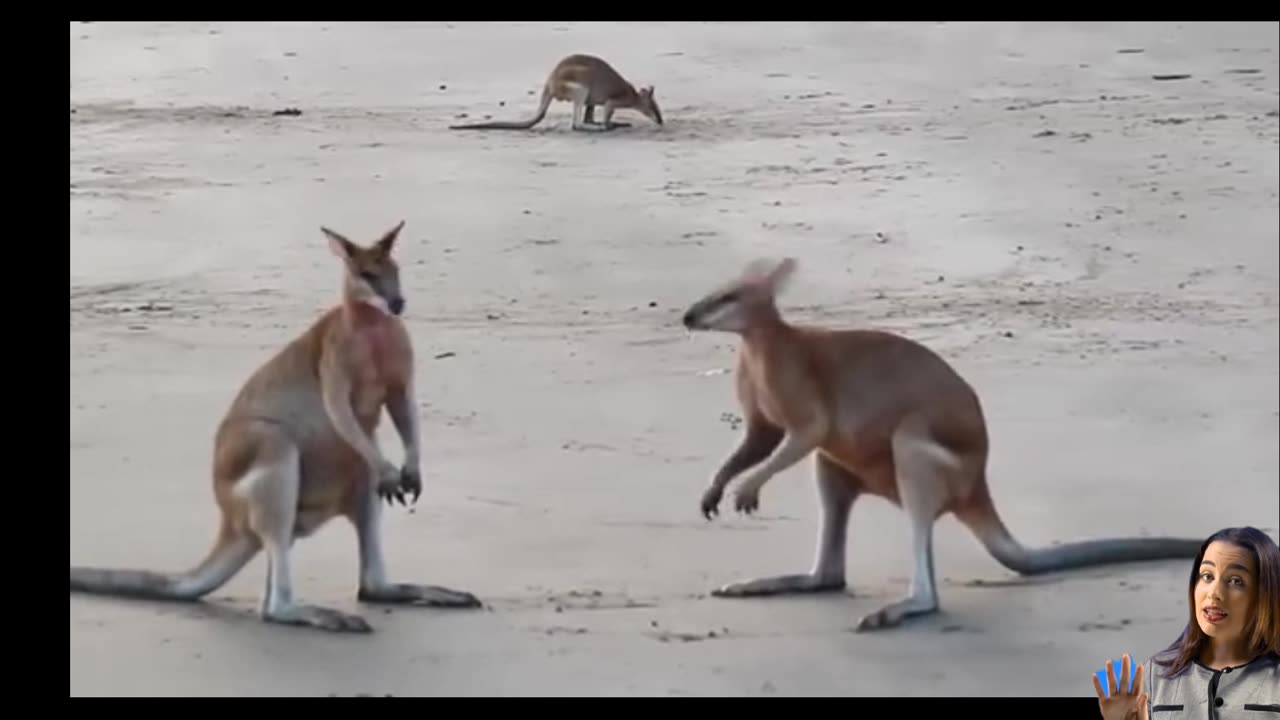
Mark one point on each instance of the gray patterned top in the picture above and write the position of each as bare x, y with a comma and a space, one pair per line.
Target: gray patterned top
1247, 692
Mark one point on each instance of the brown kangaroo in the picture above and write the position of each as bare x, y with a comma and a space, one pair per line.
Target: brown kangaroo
297, 448
586, 81
882, 415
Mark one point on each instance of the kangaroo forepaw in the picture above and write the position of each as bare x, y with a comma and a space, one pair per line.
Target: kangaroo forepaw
711, 502
391, 483
747, 500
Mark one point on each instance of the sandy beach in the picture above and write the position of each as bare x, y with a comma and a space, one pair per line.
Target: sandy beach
1082, 218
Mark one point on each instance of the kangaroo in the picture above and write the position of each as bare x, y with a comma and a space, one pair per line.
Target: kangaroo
882, 415
586, 81
298, 447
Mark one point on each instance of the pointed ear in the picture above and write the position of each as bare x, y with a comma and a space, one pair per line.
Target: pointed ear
780, 275
339, 245
769, 275
388, 241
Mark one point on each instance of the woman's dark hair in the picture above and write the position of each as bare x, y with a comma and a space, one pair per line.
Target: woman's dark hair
1264, 638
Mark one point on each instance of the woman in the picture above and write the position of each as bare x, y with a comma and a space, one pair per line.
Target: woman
1226, 664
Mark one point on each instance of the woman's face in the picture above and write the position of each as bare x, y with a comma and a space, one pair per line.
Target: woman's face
1224, 592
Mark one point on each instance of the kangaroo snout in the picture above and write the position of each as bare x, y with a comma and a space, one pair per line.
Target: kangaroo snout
690, 320
396, 305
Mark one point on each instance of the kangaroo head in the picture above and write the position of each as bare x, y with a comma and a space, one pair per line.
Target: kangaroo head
746, 300
371, 276
648, 105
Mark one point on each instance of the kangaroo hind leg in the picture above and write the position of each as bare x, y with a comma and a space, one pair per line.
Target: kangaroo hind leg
837, 489
270, 488
366, 516
584, 111
925, 472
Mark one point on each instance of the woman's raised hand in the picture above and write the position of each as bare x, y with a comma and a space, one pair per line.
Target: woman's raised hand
1122, 703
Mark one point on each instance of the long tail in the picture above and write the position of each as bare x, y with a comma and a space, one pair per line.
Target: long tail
228, 556
513, 125
980, 515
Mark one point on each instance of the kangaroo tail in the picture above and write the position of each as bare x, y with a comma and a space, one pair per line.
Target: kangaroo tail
513, 125
231, 553
980, 515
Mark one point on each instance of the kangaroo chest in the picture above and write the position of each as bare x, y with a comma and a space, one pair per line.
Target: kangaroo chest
381, 352
381, 360
777, 387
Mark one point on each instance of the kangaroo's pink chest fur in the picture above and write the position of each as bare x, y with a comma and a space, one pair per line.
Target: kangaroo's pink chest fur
381, 349
385, 347
380, 361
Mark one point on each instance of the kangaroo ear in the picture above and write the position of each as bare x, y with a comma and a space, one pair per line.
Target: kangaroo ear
780, 275
388, 240
339, 245
771, 276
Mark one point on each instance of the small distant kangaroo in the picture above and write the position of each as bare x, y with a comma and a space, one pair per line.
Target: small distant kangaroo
586, 81
298, 447
883, 415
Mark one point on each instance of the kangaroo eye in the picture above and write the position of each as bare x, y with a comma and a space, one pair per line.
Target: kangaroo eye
369, 277
728, 298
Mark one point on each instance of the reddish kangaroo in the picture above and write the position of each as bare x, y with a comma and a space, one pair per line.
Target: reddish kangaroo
298, 448
883, 415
